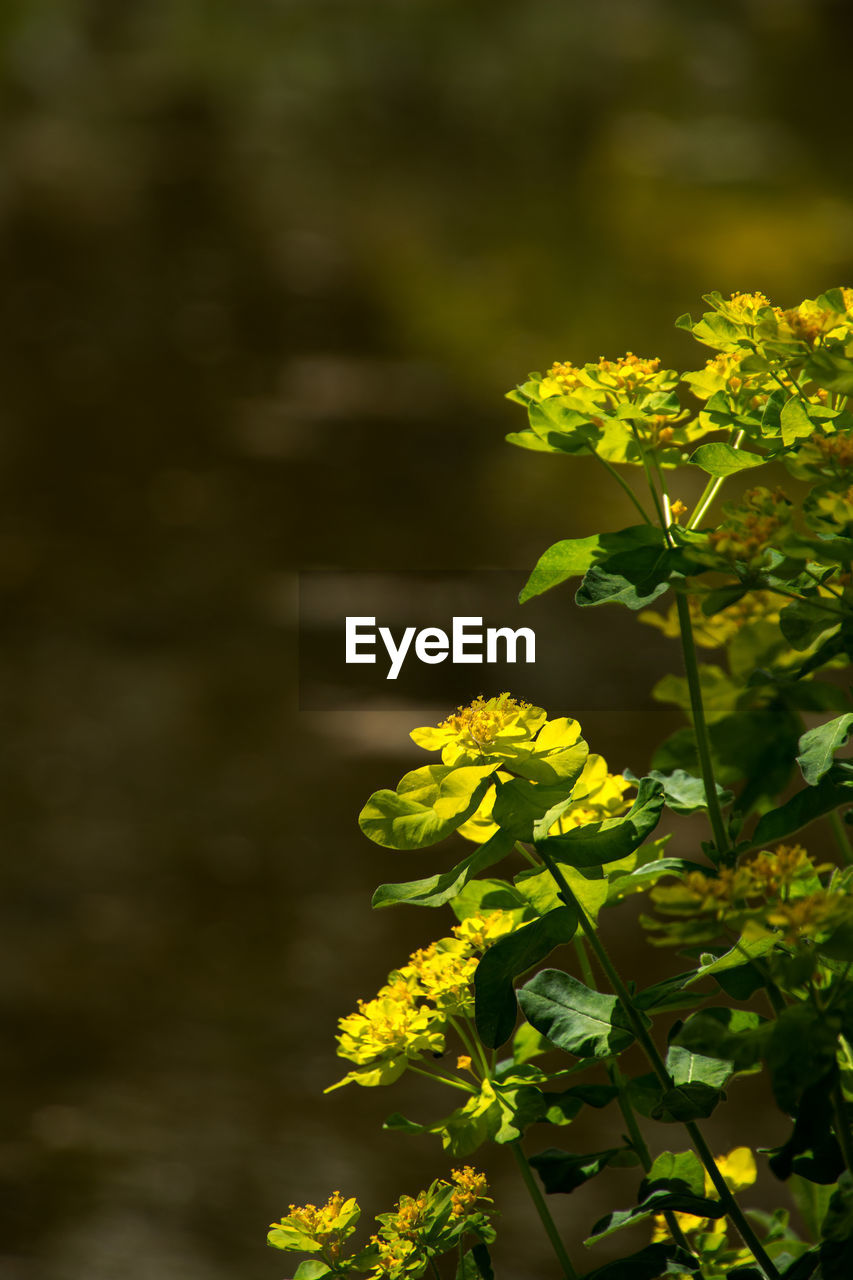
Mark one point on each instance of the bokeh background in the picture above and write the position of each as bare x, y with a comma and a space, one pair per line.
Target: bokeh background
267, 270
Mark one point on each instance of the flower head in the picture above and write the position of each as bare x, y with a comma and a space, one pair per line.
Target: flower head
308, 1229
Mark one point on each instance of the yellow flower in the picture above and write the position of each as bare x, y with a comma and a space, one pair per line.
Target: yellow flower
444, 973
812, 322
394, 1255
818, 914
478, 932
470, 1187
724, 372
495, 726
311, 1230
777, 872
388, 1027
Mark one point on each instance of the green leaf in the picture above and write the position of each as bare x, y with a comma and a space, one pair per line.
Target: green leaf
658, 1202
812, 1151
575, 1018
563, 1172
834, 789
669, 993
475, 1264
838, 1223
812, 1200
739, 956
540, 890
796, 423
684, 792
801, 1049
633, 578
408, 818
831, 370
598, 843
818, 746
520, 805
656, 1260
574, 556
488, 895
312, 1269
675, 1169
515, 953
698, 1079
724, 460
721, 1041
434, 891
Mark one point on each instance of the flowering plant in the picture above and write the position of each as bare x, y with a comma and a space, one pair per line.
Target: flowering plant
765, 928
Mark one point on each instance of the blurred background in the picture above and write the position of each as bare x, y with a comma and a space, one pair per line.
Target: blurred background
268, 269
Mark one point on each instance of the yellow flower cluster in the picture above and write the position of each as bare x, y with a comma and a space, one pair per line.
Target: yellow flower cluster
778, 892
626, 377
311, 1230
746, 308
470, 1187
443, 976
420, 1228
498, 727
811, 323
390, 1025
483, 722
407, 1019
725, 372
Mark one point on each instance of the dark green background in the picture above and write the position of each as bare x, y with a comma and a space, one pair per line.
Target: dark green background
267, 270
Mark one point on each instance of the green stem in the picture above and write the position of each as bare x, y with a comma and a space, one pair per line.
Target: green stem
841, 837
638, 1026
701, 727
624, 485
583, 959
525, 853
543, 1211
472, 1044
713, 486
842, 1123
638, 1142
437, 1075
662, 520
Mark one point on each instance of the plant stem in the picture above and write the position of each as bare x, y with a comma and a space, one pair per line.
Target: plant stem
842, 1122
472, 1044
624, 485
841, 837
662, 520
638, 1142
583, 959
638, 1026
700, 727
525, 853
437, 1075
543, 1211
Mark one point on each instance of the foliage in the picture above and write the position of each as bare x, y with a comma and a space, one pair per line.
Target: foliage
768, 587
